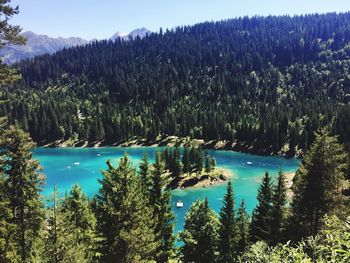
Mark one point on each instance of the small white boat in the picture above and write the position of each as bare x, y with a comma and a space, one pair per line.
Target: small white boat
98, 154
179, 204
76, 163
249, 163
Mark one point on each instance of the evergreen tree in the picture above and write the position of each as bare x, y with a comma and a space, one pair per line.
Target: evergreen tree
23, 184
160, 201
318, 184
242, 225
79, 215
9, 34
176, 163
144, 173
124, 221
62, 242
278, 214
186, 163
7, 227
200, 234
227, 235
198, 159
209, 163
261, 218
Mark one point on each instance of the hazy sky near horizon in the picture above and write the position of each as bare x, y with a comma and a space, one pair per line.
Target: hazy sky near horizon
102, 18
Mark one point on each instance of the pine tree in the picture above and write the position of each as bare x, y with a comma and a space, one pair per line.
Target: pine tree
79, 215
61, 240
7, 227
125, 223
200, 234
227, 235
209, 164
160, 200
23, 184
198, 160
186, 164
9, 34
176, 164
144, 173
317, 185
279, 201
261, 218
242, 228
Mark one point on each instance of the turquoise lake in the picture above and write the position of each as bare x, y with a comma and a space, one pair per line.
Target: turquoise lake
66, 166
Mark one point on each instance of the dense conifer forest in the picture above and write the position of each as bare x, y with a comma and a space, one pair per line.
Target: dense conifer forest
130, 218
265, 84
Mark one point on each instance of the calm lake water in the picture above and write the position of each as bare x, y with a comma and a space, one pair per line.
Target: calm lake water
66, 166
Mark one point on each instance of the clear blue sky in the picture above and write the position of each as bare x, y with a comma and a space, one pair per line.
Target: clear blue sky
102, 18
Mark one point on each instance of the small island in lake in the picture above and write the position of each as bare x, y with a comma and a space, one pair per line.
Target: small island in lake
203, 178
192, 168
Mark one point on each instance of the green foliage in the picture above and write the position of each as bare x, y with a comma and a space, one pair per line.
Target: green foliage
196, 159
144, 173
172, 161
7, 226
162, 213
242, 228
186, 161
200, 234
124, 221
331, 246
227, 230
262, 215
23, 184
215, 81
79, 215
279, 210
9, 34
209, 163
318, 185
62, 235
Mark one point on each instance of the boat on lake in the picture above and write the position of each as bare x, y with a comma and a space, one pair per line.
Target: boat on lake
179, 204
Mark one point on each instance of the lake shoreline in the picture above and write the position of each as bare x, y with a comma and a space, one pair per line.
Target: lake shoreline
171, 141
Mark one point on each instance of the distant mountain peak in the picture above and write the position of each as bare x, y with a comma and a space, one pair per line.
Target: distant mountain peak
38, 44
118, 35
139, 32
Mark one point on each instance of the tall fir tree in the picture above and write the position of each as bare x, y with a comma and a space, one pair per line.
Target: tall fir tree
9, 35
125, 223
23, 183
61, 240
227, 230
144, 173
78, 214
242, 228
7, 227
186, 163
318, 185
176, 163
198, 159
160, 201
279, 210
200, 234
261, 219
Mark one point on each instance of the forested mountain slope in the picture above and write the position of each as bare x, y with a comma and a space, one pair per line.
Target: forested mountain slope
264, 83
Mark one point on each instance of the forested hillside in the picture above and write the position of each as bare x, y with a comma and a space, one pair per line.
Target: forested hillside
264, 83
